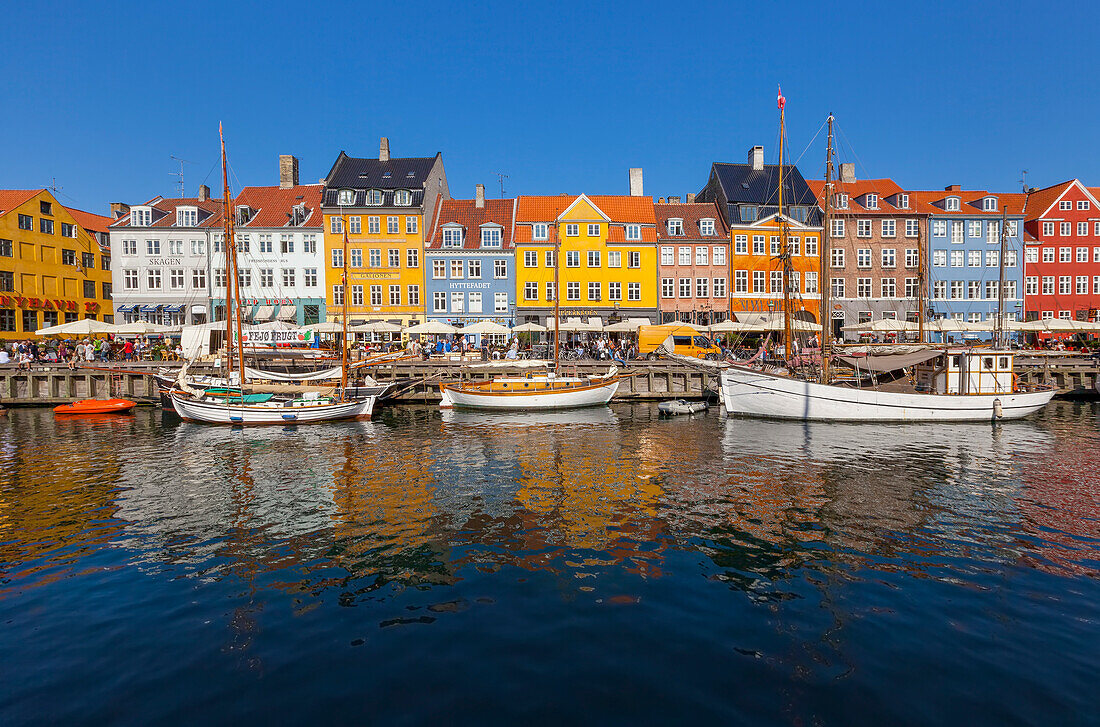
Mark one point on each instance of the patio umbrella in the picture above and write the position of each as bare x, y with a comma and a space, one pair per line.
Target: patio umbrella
431, 327
884, 325
326, 327
144, 328
489, 328
528, 328
85, 327
376, 327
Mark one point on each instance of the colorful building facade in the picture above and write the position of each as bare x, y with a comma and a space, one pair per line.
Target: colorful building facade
694, 262
470, 261
608, 248
384, 205
1062, 253
53, 268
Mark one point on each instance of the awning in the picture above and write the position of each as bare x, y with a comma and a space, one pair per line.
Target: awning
150, 308
264, 313
288, 313
891, 362
173, 308
126, 308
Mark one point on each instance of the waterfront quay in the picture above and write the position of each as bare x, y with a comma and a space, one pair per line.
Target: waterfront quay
418, 381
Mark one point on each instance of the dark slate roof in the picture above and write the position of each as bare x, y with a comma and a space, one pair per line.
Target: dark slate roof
744, 185
352, 173
331, 193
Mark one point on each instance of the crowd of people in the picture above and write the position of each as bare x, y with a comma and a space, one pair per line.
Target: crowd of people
75, 352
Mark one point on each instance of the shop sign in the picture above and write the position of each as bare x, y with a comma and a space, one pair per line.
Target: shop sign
297, 336
267, 301
166, 261
19, 301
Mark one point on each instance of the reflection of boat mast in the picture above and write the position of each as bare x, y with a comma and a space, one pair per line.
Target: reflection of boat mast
824, 260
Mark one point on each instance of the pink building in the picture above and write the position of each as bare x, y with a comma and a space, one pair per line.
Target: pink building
693, 262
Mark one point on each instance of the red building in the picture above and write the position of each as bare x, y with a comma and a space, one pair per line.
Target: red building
1062, 253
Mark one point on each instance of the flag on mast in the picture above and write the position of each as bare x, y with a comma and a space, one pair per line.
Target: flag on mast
781, 101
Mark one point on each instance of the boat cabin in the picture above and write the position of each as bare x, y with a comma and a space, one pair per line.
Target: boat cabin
967, 371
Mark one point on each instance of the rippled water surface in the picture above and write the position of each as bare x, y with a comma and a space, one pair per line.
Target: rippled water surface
596, 567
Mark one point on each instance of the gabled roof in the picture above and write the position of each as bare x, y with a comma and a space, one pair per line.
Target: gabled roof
466, 214
886, 189
691, 213
619, 209
1040, 201
970, 201
90, 221
272, 205
742, 184
12, 198
362, 174
165, 215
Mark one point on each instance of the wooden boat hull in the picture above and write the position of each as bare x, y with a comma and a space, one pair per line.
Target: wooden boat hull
194, 410
749, 392
592, 393
95, 406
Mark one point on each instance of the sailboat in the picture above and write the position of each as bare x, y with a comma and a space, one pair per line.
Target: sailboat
946, 384
534, 392
235, 406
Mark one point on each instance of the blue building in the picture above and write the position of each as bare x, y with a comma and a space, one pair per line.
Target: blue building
470, 262
963, 244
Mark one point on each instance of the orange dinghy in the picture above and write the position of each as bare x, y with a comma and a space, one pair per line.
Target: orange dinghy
96, 406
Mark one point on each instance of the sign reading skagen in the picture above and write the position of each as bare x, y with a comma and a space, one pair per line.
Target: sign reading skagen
166, 261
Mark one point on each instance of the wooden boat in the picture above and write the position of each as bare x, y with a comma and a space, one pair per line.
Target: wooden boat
95, 406
681, 406
538, 392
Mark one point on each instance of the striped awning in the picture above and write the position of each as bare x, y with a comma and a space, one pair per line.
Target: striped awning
173, 308
150, 308
288, 313
264, 313
126, 308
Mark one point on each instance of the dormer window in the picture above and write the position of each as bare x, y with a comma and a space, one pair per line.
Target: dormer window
840, 201
297, 215
345, 197
540, 231
675, 227
402, 198
452, 236
706, 226
749, 212
141, 217
187, 217
490, 236
871, 201
634, 232
903, 201
244, 214
951, 204
798, 213
989, 204
374, 197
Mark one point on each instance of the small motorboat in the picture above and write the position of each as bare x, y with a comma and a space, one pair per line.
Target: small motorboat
680, 406
96, 406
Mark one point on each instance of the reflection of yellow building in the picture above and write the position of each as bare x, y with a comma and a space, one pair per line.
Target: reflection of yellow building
383, 205
54, 266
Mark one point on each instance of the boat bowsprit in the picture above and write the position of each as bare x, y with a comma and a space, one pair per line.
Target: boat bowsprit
681, 406
95, 406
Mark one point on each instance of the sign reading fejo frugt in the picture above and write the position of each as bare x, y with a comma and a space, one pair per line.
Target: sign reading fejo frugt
293, 337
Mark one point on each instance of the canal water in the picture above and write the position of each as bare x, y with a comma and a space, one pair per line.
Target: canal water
593, 567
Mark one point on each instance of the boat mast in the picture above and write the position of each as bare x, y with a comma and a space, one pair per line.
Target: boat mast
232, 281
920, 284
557, 295
824, 259
999, 324
347, 292
784, 248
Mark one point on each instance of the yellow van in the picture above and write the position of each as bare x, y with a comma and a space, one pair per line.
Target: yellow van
688, 341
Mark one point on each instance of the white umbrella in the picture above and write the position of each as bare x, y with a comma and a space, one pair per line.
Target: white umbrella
622, 327
528, 328
1060, 325
325, 327
882, 325
488, 328
431, 327
84, 327
376, 327
578, 325
274, 326
947, 325
144, 328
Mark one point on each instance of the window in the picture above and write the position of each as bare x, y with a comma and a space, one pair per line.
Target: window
309, 277
863, 257
393, 225
706, 226
1048, 229
356, 259
374, 197
355, 225
395, 295
798, 212
593, 258
549, 291
837, 261
1082, 254
863, 228
1064, 284
336, 225
474, 302
572, 229
903, 201
951, 204
129, 247
1065, 204
1031, 254
633, 232
530, 259
668, 256
840, 201
633, 291
500, 302
500, 269
374, 225
337, 257
889, 228
740, 245
374, 255
1082, 204
87, 260
757, 244
288, 277
45, 226
1082, 229
863, 287
457, 269
1096, 229
614, 291
152, 247
490, 237
939, 289
219, 278
989, 204
889, 257
244, 277
702, 255
572, 259
549, 258
375, 294
473, 269
530, 291
684, 256
198, 278
871, 201
175, 278
973, 258
974, 289
1048, 254
718, 253
939, 228
357, 294
685, 287
153, 279
594, 230
393, 257
412, 225
26, 222
720, 285
912, 259
991, 290
939, 258
439, 302
1031, 285
573, 291
974, 228
749, 213
1065, 254
837, 288
130, 279
956, 289
702, 287
1048, 285
675, 227
957, 233
889, 288
439, 269
309, 243
911, 287
776, 281
614, 259
740, 281
594, 291
993, 232
1082, 284
912, 228
1065, 228
758, 281
1095, 255
957, 258
1096, 284
337, 295
540, 231
345, 197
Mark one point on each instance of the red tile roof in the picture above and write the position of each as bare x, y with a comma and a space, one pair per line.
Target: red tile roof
467, 214
620, 208
12, 198
89, 220
970, 201
1039, 201
691, 213
272, 205
168, 207
885, 188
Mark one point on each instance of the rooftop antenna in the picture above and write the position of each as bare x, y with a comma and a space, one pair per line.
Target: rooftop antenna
53, 186
179, 175
1023, 180
501, 176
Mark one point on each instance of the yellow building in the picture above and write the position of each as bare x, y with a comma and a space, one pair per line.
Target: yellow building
608, 260
55, 264
385, 205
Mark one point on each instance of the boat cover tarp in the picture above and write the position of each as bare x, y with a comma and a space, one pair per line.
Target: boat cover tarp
890, 362
252, 373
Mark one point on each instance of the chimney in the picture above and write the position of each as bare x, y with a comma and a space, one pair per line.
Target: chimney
691, 197
204, 193
673, 200
756, 158
953, 188
384, 150
848, 173
660, 200
288, 171
636, 182
119, 210
479, 196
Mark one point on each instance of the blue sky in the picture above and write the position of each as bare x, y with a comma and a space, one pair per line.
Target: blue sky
561, 97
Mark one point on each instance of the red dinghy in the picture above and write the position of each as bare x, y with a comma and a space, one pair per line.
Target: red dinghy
96, 406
